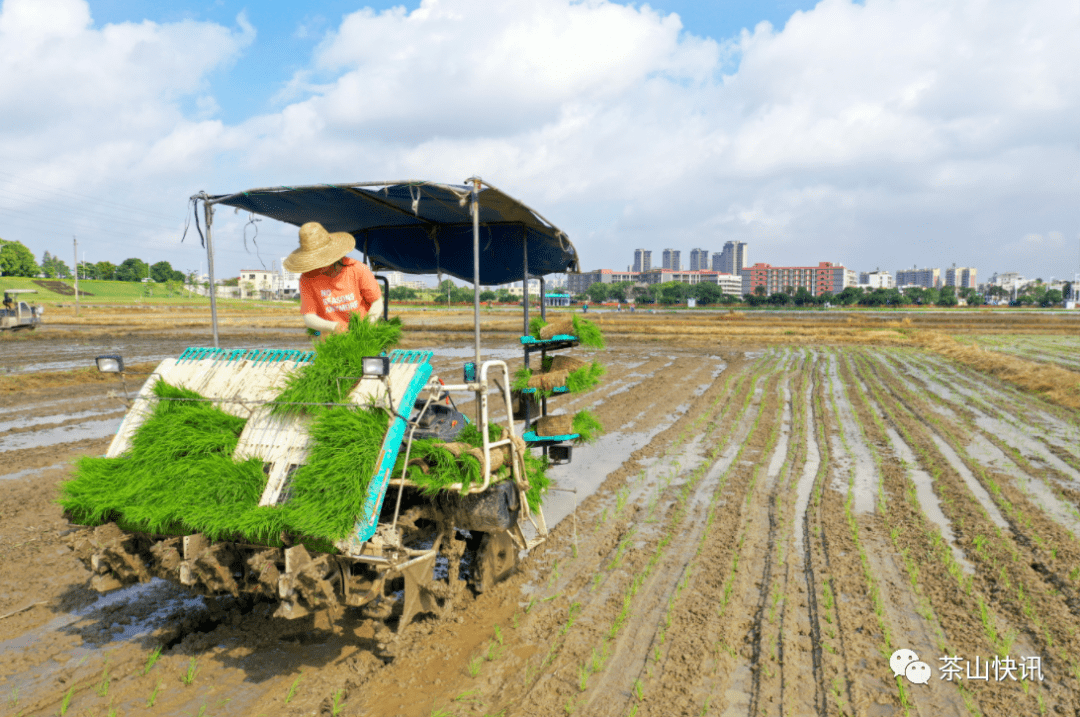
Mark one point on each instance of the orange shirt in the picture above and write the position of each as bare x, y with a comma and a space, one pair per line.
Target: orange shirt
354, 289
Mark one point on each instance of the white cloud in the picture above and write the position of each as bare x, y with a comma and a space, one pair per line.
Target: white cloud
887, 133
84, 101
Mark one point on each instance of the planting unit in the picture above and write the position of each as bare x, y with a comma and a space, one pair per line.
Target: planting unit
417, 540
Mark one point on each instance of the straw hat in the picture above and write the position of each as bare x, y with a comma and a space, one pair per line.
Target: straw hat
318, 248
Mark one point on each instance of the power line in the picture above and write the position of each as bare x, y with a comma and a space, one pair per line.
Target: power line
82, 210
85, 197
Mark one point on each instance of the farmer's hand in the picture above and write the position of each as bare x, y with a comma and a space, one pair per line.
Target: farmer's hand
375, 312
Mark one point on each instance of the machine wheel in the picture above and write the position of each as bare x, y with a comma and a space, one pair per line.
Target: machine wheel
498, 557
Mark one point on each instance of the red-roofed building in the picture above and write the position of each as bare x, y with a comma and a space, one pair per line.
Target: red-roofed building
827, 276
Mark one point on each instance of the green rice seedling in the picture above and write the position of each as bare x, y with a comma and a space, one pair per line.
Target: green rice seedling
474, 664
535, 324
639, 689
441, 713
633, 711
338, 705
521, 379
151, 660
554, 573
492, 652
292, 688
184, 440
13, 698
66, 702
469, 696
588, 333
329, 491
498, 635
583, 677
337, 356
202, 710
192, 670
585, 378
102, 688
153, 695
587, 426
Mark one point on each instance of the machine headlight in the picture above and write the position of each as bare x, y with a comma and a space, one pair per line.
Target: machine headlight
376, 365
110, 363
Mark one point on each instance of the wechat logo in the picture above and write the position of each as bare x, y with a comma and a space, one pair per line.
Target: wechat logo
906, 663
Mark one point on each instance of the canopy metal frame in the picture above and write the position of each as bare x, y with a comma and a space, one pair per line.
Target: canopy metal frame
471, 193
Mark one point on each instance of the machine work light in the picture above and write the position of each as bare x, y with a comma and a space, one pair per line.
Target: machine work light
376, 365
110, 363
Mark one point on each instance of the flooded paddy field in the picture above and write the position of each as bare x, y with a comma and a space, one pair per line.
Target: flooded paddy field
765, 523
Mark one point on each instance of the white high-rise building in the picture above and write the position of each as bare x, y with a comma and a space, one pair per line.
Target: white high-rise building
876, 279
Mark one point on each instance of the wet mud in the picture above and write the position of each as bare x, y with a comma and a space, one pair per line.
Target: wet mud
759, 530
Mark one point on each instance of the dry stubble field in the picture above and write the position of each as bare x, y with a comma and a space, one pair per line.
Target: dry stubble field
780, 504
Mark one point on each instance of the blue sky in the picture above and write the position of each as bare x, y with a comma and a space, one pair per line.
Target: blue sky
288, 33
884, 133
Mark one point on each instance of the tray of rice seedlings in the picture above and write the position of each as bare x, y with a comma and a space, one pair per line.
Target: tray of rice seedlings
294, 475
563, 332
560, 374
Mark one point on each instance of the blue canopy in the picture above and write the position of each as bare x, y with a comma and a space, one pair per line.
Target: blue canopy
423, 227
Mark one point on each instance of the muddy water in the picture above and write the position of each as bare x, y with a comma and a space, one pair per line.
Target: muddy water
990, 455
850, 450
928, 500
700, 633
35, 355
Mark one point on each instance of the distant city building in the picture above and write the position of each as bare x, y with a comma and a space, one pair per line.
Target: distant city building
580, 282
877, 279
396, 279
728, 283
699, 260
515, 288
642, 260
268, 283
716, 261
1006, 280
733, 259
827, 276
961, 277
926, 278
671, 259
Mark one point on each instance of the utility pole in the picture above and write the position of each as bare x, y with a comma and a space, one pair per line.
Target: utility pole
75, 241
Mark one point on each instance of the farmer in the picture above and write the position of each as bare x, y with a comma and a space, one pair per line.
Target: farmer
332, 286
9, 304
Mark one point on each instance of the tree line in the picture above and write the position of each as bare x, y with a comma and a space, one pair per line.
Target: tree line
17, 260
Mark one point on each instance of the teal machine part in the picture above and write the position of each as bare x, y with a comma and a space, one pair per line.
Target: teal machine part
367, 522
